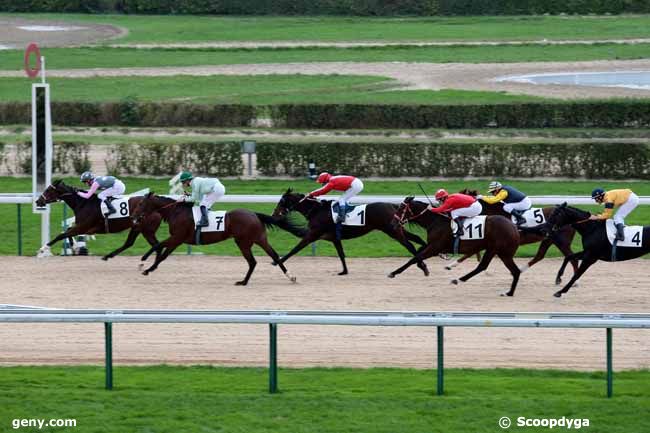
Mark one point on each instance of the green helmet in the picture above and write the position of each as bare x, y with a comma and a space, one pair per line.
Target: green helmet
186, 175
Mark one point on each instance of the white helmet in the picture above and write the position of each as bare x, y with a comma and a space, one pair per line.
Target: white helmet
494, 186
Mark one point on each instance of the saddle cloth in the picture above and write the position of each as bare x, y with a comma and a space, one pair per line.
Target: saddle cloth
633, 235
216, 220
534, 217
121, 205
355, 214
474, 228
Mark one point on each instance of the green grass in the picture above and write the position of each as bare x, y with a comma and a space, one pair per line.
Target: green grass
248, 89
103, 57
212, 399
155, 29
372, 245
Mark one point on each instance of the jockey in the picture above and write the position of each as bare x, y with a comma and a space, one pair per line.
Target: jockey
624, 199
205, 191
109, 185
350, 184
461, 206
514, 201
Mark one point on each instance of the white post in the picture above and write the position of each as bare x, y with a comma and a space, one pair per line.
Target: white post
43, 71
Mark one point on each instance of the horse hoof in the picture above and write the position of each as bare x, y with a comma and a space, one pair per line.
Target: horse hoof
105, 258
145, 272
240, 283
274, 263
557, 294
391, 275
507, 294
449, 268
343, 273
558, 281
293, 279
426, 272
455, 281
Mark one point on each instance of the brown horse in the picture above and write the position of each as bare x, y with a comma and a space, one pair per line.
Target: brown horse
246, 227
89, 219
561, 239
501, 238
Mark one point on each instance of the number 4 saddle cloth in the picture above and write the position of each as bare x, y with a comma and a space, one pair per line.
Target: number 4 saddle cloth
633, 235
216, 220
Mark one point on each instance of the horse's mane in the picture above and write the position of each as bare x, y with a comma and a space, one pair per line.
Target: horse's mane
572, 211
59, 183
472, 192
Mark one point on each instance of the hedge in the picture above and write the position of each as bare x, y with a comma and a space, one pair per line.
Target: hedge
331, 7
67, 157
132, 113
217, 158
444, 159
617, 114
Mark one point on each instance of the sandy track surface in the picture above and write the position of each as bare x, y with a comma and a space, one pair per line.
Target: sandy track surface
427, 76
201, 282
13, 33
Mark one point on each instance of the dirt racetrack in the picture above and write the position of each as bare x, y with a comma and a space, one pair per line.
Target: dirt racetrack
206, 282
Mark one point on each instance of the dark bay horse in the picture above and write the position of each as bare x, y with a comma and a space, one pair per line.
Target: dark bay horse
379, 216
561, 239
89, 219
595, 244
246, 227
501, 238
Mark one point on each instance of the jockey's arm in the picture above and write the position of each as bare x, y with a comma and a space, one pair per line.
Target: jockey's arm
324, 190
90, 192
446, 206
501, 195
607, 213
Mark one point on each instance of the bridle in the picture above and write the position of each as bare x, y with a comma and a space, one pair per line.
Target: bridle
291, 207
139, 218
407, 214
48, 195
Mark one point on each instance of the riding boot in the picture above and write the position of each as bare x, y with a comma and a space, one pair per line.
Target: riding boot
109, 206
204, 217
620, 234
519, 216
340, 219
460, 231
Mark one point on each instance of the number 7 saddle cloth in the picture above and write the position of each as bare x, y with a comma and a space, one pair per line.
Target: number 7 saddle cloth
216, 220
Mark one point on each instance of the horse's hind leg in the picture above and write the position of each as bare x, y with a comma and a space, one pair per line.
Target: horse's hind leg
587, 261
245, 248
130, 240
402, 236
264, 244
162, 255
568, 258
339, 250
483, 264
514, 271
423, 254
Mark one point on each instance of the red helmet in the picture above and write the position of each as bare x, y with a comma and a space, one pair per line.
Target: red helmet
324, 177
441, 194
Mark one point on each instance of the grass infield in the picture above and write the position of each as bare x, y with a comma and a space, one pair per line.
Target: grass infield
374, 244
214, 399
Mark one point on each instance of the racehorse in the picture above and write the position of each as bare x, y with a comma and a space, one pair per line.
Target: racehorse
379, 216
595, 244
561, 239
246, 227
90, 220
501, 238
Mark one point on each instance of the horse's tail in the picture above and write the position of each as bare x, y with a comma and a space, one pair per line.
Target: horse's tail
283, 223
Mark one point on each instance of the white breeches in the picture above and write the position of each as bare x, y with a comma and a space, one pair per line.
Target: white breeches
355, 188
523, 205
217, 192
118, 188
626, 208
468, 212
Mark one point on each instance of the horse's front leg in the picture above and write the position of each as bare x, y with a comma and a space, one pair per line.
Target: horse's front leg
70, 232
130, 240
310, 237
423, 253
170, 244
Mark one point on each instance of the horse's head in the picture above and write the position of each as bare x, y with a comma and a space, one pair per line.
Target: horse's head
146, 206
564, 215
54, 192
404, 212
287, 203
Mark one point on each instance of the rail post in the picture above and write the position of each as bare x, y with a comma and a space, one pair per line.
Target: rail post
273, 358
108, 339
610, 372
20, 230
441, 389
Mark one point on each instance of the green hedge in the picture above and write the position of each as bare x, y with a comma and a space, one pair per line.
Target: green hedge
619, 114
574, 160
331, 7
217, 158
561, 115
133, 113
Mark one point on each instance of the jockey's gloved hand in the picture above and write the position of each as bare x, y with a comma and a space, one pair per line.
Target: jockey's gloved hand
478, 197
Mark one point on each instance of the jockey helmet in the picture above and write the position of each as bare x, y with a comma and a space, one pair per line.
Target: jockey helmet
597, 193
87, 176
494, 186
441, 194
324, 177
185, 176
